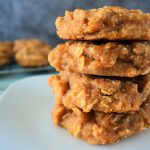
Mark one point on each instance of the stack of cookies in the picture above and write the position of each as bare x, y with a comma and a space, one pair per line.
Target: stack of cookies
102, 91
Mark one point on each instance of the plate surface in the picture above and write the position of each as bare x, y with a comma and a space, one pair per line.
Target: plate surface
25, 123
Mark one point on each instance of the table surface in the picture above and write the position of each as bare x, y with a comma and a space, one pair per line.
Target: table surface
7, 80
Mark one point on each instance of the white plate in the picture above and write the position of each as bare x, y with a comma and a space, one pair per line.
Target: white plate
25, 123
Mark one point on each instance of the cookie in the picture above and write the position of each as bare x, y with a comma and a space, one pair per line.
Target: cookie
31, 52
105, 59
87, 93
6, 53
109, 22
102, 128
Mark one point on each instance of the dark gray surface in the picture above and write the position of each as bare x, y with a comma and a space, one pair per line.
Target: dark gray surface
35, 18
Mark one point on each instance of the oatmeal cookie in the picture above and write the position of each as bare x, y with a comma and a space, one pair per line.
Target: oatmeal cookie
102, 128
6, 52
75, 90
105, 59
109, 22
31, 52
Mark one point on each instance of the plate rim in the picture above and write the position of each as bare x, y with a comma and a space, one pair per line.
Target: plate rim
18, 81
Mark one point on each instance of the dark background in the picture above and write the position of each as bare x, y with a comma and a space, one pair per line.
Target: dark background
35, 18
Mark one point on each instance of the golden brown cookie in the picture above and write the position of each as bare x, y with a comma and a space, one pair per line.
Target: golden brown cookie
102, 128
107, 59
6, 52
88, 93
109, 22
31, 52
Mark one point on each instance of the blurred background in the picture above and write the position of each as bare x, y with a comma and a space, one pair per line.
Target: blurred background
36, 19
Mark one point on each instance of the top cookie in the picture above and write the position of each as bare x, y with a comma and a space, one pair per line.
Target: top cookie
109, 22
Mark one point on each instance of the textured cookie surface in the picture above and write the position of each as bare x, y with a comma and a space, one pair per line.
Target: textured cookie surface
107, 59
88, 93
102, 128
110, 22
6, 52
31, 52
